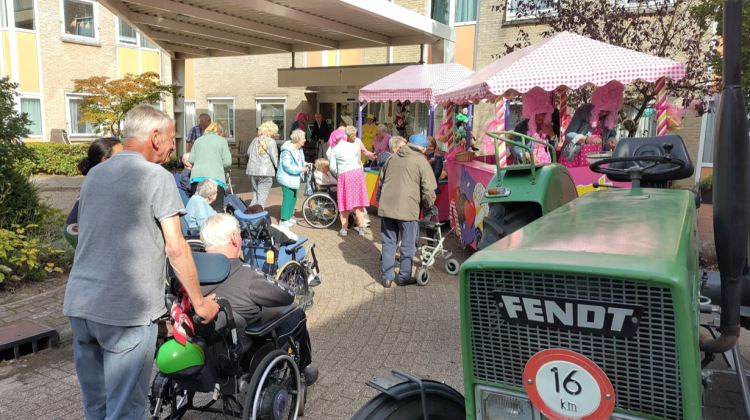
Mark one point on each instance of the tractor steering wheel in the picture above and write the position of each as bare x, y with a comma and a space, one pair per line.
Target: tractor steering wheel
636, 172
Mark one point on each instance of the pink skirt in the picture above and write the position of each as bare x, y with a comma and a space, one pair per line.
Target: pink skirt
580, 160
352, 190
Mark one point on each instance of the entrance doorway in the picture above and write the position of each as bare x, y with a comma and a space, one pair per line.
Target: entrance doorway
335, 113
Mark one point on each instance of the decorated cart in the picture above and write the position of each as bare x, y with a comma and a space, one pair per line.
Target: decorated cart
418, 83
549, 65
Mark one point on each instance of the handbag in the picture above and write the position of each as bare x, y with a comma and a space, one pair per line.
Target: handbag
571, 150
308, 187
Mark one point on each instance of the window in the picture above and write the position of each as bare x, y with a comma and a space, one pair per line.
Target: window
33, 108
74, 115
707, 131
80, 19
528, 9
222, 111
272, 109
441, 10
191, 120
466, 11
127, 35
23, 12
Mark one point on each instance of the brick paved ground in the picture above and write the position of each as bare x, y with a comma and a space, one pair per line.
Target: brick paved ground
358, 330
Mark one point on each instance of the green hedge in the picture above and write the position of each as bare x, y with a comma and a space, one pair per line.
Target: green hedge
53, 159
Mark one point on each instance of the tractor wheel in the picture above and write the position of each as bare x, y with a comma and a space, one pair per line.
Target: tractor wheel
506, 222
383, 407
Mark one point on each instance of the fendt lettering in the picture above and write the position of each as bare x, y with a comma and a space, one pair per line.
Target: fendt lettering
601, 317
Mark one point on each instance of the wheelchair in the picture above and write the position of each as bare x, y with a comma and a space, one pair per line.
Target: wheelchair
268, 387
293, 262
321, 209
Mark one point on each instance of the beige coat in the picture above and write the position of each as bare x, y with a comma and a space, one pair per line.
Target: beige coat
407, 185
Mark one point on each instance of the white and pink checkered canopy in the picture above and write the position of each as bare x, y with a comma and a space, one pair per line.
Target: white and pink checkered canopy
415, 83
564, 59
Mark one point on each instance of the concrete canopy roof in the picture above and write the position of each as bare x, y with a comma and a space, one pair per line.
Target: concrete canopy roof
218, 28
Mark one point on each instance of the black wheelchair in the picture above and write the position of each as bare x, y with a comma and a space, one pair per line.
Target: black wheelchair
259, 378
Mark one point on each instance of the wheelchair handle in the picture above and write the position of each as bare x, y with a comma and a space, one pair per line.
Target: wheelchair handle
295, 249
224, 306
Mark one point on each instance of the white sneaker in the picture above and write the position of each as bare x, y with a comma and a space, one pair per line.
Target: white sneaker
293, 221
286, 223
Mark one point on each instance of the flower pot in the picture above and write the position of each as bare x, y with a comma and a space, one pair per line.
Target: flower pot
707, 196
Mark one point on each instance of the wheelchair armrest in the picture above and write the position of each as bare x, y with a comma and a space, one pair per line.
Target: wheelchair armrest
300, 243
270, 318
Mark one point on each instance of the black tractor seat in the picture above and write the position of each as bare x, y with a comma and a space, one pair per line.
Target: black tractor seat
270, 318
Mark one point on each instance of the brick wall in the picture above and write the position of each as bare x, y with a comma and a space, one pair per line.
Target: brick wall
376, 55
246, 78
409, 53
61, 62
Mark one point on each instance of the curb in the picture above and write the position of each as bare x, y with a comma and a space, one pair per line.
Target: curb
57, 189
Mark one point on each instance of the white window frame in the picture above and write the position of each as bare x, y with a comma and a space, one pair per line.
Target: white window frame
702, 142
37, 96
271, 100
79, 38
138, 38
69, 123
511, 16
223, 99
635, 5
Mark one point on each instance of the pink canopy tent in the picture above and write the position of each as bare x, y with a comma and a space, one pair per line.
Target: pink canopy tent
415, 83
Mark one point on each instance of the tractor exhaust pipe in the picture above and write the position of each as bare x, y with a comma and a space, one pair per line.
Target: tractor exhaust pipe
731, 185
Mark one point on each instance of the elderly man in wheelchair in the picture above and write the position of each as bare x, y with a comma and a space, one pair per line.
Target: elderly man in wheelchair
254, 358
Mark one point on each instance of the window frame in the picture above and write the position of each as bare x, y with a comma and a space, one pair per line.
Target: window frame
138, 38
80, 38
69, 124
511, 16
223, 100
271, 100
454, 6
36, 97
705, 129
634, 6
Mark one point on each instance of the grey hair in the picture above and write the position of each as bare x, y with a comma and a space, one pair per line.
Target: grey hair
207, 188
298, 135
200, 117
143, 119
217, 230
351, 130
382, 127
395, 141
318, 114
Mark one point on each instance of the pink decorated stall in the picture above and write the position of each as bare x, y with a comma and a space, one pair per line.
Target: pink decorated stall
546, 64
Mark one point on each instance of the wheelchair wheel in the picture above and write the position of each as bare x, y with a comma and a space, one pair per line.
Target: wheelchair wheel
320, 210
295, 276
274, 390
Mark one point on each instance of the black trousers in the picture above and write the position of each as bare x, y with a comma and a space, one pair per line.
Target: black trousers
218, 204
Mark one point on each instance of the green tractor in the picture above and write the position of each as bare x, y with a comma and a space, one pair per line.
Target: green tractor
592, 311
519, 194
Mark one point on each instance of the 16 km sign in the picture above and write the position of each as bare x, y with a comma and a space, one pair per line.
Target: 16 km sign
565, 385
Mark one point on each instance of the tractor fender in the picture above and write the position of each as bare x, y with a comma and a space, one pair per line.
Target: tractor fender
400, 388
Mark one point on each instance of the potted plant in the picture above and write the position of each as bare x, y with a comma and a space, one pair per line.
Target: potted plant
706, 186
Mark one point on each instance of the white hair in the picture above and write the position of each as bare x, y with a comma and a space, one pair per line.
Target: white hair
395, 141
217, 230
351, 130
382, 127
142, 120
298, 135
207, 188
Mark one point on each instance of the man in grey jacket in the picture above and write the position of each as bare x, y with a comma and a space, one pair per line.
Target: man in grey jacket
249, 290
406, 186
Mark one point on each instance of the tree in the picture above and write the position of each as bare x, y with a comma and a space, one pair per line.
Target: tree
711, 11
663, 28
13, 124
108, 101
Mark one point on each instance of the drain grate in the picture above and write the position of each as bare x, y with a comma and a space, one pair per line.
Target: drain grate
25, 337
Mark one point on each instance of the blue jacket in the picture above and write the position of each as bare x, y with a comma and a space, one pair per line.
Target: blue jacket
290, 167
580, 126
198, 210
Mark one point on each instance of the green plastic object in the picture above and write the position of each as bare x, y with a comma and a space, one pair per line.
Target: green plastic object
174, 357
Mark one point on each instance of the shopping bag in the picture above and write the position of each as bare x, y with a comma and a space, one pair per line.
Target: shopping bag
308, 187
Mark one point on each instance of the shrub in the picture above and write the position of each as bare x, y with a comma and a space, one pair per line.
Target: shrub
706, 183
19, 203
53, 159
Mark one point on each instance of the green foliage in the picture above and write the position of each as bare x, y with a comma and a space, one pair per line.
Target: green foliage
19, 203
12, 123
174, 165
710, 11
28, 252
706, 183
108, 101
53, 159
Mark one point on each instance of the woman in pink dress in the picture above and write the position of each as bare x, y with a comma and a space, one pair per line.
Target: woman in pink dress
346, 164
594, 125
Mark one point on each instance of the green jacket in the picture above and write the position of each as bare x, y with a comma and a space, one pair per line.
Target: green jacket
209, 156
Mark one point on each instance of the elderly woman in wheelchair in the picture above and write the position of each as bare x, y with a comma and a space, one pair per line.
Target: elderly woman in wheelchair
254, 358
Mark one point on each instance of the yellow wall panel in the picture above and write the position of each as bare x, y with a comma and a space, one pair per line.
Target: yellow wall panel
150, 62
353, 57
331, 58
465, 45
315, 59
28, 64
6, 54
190, 79
127, 59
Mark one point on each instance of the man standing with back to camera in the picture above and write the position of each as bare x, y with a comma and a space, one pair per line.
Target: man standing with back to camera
129, 213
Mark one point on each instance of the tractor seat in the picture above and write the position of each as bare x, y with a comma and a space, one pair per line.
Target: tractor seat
652, 146
270, 318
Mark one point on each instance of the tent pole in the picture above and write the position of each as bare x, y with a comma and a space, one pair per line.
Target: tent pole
359, 120
661, 107
469, 126
431, 122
